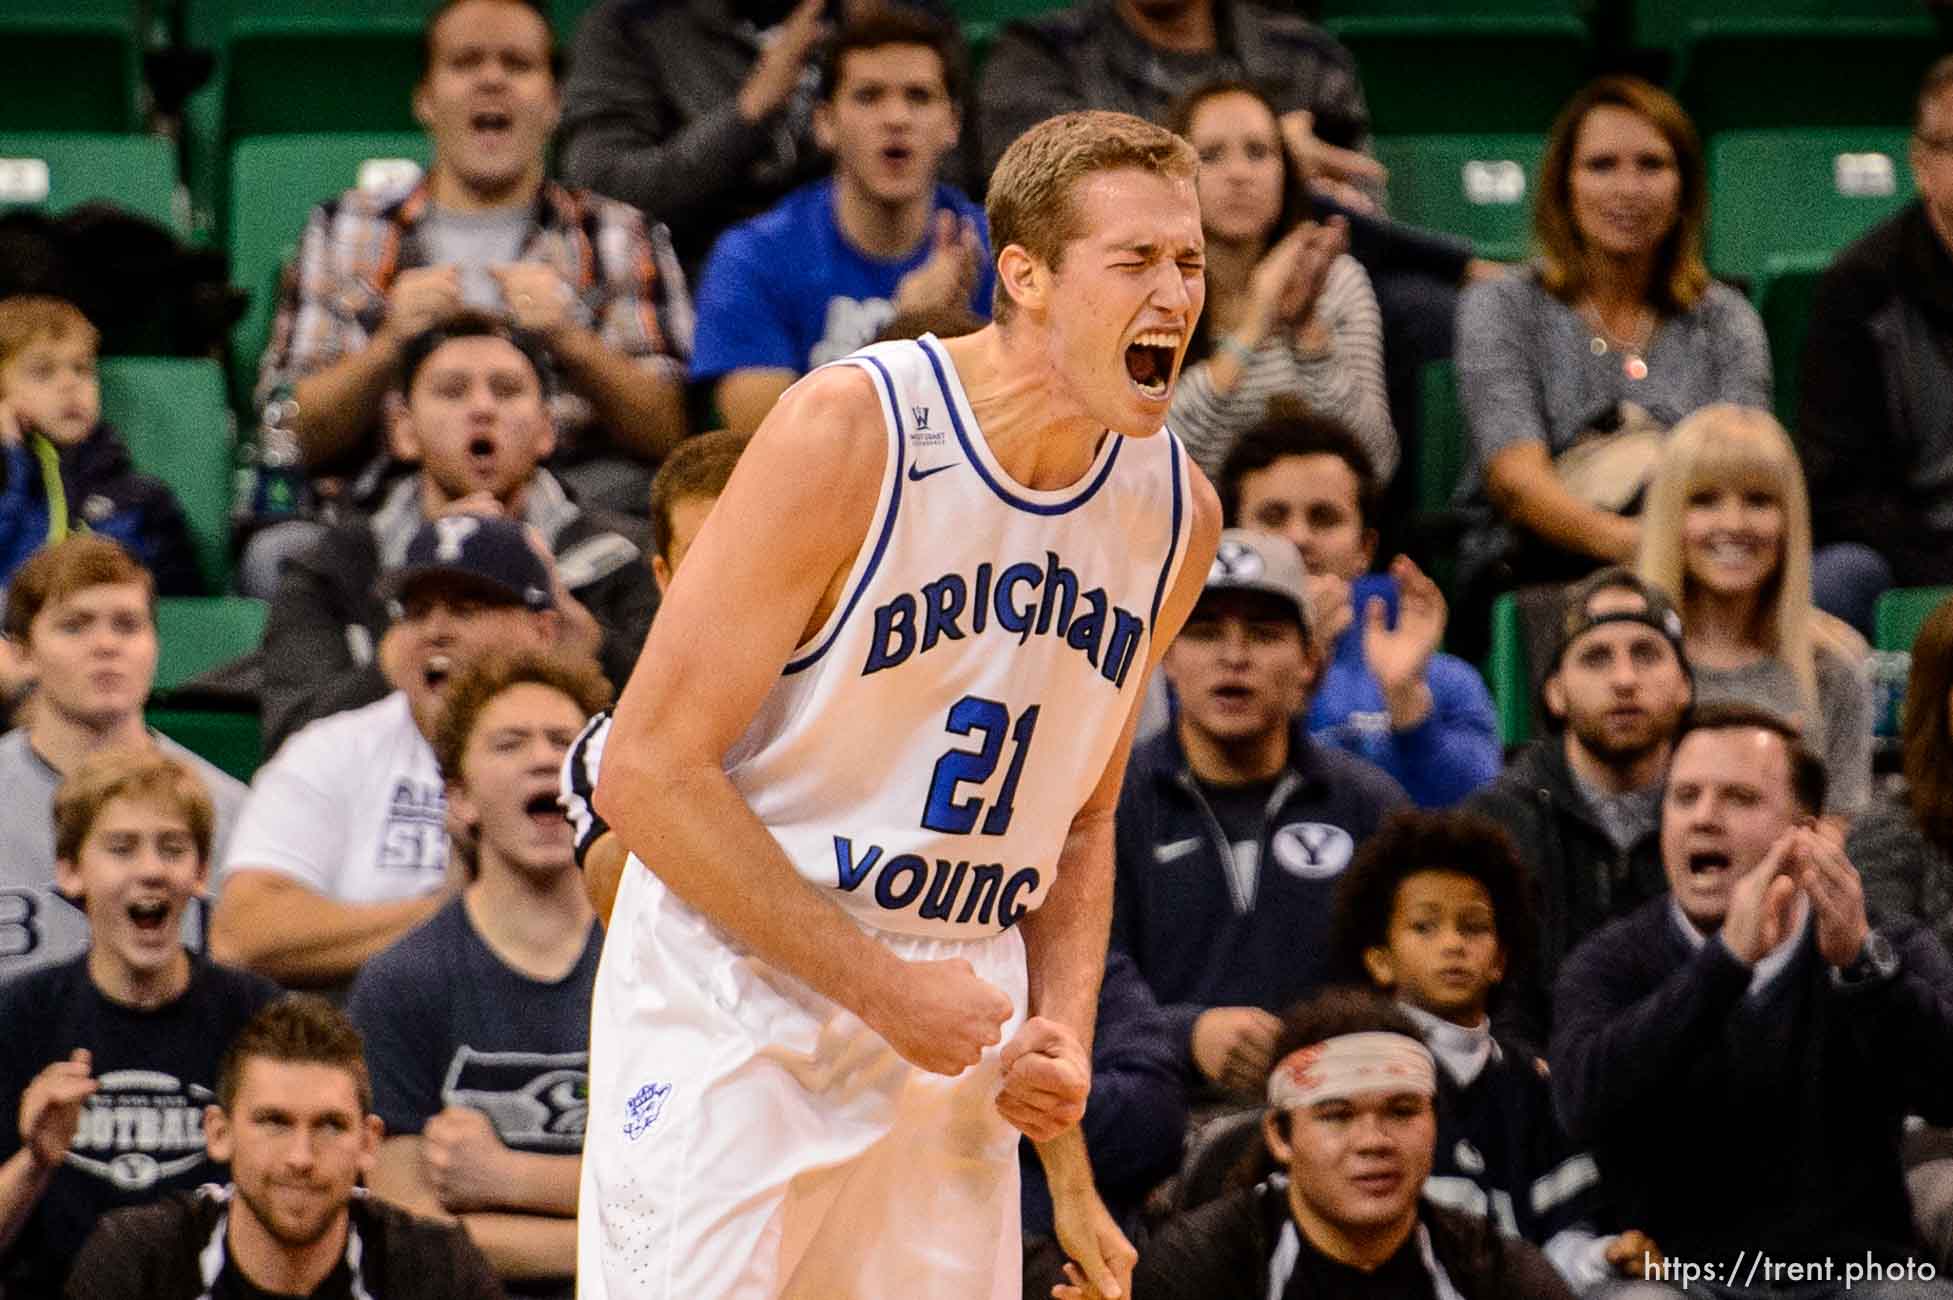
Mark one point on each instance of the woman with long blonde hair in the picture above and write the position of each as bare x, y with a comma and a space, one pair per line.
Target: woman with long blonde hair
1726, 532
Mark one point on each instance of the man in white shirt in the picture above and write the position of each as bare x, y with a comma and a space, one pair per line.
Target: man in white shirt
342, 847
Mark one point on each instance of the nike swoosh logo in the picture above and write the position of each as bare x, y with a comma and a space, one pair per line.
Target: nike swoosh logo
917, 473
1176, 850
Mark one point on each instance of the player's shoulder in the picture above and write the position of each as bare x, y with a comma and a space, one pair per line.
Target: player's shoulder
830, 420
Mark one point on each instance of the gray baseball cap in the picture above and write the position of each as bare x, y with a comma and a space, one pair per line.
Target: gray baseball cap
1248, 560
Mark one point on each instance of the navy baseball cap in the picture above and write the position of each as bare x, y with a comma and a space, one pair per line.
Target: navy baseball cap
490, 556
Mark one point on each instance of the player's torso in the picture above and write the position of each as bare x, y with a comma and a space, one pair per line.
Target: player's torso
923, 755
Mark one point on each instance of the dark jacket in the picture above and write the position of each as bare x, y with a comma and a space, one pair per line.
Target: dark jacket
154, 1251
97, 488
1580, 880
1173, 905
1875, 416
1725, 1123
1221, 1251
323, 631
1087, 57
1136, 1117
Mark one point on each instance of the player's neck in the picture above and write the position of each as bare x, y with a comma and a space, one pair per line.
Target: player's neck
877, 229
1233, 762
63, 740
537, 925
1038, 432
272, 1266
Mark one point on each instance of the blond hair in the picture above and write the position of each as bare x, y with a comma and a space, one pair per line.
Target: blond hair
146, 775
1741, 449
28, 317
1032, 200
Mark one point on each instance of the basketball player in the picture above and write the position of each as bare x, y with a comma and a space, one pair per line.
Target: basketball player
870, 756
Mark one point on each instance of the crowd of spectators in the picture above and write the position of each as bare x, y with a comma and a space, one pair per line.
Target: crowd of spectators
1668, 983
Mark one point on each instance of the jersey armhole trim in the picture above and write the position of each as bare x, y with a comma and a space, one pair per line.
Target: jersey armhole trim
1175, 549
870, 559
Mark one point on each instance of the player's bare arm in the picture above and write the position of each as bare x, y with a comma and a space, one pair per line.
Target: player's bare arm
766, 553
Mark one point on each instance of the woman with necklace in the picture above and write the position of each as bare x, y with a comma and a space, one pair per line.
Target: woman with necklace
1289, 312
1570, 372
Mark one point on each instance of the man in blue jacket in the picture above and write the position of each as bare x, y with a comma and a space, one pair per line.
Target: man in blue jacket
1386, 694
1233, 825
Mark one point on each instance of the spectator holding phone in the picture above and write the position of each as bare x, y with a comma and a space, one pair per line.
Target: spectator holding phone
1387, 694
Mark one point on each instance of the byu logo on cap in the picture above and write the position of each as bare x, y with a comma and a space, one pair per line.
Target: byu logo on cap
453, 530
1237, 561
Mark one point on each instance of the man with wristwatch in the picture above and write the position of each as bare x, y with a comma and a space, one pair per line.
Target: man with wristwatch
1741, 1054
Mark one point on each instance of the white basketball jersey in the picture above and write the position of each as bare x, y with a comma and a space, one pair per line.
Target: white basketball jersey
923, 755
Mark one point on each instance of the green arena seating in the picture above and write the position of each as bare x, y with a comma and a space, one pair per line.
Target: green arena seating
1784, 294
55, 171
173, 415
1425, 74
1509, 674
278, 180
1798, 192
1478, 186
1443, 446
1829, 68
197, 633
70, 65
1901, 612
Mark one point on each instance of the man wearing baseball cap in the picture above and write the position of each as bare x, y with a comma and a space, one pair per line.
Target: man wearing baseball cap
1233, 824
342, 846
1584, 803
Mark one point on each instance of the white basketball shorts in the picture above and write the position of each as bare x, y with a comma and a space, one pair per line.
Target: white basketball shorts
749, 1139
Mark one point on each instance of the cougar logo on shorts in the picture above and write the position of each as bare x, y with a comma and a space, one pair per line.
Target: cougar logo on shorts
642, 1111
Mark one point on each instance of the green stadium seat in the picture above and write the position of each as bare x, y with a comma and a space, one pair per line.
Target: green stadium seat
1784, 294
278, 180
1800, 192
1477, 186
173, 415
1827, 69
198, 633
1509, 674
228, 740
55, 172
70, 65
1427, 75
1901, 612
1443, 447
287, 67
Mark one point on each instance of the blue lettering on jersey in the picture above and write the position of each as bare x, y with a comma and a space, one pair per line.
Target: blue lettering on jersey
909, 880
1024, 600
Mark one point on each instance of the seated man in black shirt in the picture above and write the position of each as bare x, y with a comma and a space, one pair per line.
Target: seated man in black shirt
1349, 1134
294, 1120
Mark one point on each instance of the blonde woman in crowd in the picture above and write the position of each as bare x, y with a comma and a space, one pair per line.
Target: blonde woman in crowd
1727, 534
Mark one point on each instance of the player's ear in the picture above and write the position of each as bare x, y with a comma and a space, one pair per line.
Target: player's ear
1025, 278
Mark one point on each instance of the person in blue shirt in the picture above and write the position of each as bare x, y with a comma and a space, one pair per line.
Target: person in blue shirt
819, 274
1386, 694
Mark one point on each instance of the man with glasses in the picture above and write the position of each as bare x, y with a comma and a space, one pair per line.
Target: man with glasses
1875, 421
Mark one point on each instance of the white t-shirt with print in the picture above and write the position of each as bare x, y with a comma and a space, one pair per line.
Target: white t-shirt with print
351, 806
